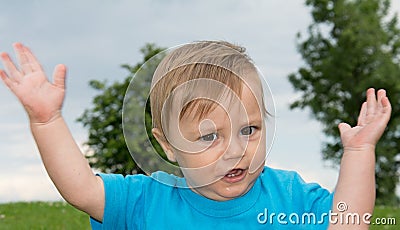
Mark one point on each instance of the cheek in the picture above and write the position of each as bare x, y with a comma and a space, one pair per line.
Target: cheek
204, 160
200, 169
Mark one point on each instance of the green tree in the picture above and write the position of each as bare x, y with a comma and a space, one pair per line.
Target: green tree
352, 45
107, 150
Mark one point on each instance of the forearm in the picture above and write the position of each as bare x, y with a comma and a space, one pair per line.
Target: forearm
356, 184
65, 163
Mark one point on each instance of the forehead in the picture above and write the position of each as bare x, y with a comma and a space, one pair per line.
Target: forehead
248, 105
205, 94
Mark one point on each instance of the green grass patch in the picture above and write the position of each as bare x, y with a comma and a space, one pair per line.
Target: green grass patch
42, 215
389, 218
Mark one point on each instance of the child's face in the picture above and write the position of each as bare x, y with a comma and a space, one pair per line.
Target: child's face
222, 154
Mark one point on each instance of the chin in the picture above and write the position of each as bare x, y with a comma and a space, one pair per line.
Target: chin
232, 191
229, 195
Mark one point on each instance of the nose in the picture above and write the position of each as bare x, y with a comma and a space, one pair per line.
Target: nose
235, 150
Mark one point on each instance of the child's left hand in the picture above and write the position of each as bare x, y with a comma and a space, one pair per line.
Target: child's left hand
372, 121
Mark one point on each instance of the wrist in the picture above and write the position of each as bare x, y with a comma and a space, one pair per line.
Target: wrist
37, 122
361, 148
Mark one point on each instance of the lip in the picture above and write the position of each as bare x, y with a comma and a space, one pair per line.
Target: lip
235, 179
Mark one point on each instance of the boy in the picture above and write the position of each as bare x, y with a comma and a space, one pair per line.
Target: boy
208, 113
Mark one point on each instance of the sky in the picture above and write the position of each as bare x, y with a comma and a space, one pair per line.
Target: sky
94, 37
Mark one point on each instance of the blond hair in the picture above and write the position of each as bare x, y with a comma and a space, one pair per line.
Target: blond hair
215, 60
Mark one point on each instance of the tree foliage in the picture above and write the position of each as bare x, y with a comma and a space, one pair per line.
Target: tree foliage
107, 150
352, 45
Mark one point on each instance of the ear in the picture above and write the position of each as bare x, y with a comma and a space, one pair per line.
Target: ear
164, 144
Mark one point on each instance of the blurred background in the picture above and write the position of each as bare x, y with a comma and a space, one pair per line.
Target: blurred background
94, 38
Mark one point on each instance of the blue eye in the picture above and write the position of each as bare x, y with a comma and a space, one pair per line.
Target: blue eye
247, 131
209, 137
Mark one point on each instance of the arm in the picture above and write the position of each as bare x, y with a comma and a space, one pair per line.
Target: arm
356, 184
64, 162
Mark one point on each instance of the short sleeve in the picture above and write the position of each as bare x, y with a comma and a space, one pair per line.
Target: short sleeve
292, 195
315, 199
119, 195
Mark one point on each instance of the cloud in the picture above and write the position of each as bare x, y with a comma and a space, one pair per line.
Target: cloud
27, 183
93, 38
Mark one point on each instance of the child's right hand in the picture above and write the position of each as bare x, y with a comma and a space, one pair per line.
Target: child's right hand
41, 99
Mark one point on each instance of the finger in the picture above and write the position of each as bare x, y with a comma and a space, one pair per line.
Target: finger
371, 102
10, 67
363, 114
387, 107
7, 81
381, 94
60, 71
343, 127
32, 60
22, 58
386, 103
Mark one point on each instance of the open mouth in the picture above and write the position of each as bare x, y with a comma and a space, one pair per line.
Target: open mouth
235, 175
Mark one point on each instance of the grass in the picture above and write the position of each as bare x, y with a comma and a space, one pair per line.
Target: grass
42, 215
386, 212
62, 216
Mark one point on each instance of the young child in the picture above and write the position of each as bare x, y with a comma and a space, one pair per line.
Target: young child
208, 115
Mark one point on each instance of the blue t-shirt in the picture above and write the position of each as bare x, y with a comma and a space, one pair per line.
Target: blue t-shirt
278, 200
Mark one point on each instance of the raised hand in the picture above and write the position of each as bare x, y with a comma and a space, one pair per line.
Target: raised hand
41, 99
372, 121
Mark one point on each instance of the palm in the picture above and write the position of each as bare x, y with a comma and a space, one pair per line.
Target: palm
40, 98
372, 121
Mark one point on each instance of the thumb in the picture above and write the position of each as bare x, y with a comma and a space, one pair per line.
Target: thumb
343, 127
60, 71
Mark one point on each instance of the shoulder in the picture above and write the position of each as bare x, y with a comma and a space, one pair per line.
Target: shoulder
285, 177
280, 174
156, 179
285, 180
118, 180
291, 187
